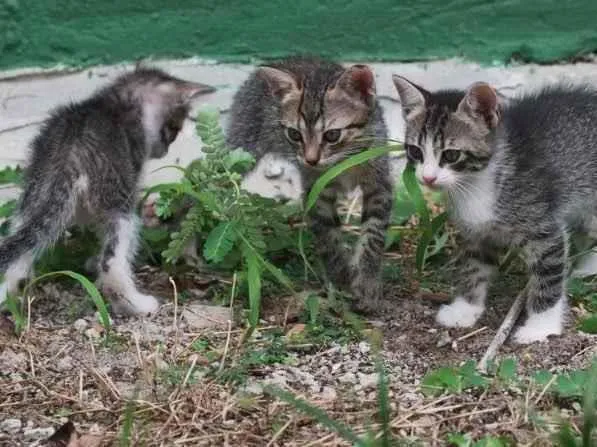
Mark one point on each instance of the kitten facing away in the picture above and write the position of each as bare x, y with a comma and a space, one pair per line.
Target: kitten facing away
318, 113
85, 167
516, 174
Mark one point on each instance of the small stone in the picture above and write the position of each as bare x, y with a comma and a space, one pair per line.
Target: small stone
200, 316
65, 363
444, 339
34, 434
367, 380
11, 361
328, 393
80, 325
11, 426
92, 333
364, 347
348, 378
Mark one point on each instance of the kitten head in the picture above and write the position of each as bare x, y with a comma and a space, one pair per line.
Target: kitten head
164, 101
324, 115
447, 132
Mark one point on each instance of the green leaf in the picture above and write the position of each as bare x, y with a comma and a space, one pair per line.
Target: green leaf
414, 191
338, 169
254, 281
422, 245
312, 304
589, 324
10, 175
89, 288
162, 187
507, 370
239, 161
460, 440
220, 241
542, 377
7, 208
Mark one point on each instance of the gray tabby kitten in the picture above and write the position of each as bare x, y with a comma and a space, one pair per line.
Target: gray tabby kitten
521, 173
85, 166
318, 113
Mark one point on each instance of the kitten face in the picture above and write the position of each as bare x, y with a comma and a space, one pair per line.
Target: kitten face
323, 124
165, 102
447, 132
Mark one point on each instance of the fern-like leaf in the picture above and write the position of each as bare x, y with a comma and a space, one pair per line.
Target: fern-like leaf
220, 241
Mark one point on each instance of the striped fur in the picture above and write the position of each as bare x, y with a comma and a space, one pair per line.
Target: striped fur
524, 175
297, 108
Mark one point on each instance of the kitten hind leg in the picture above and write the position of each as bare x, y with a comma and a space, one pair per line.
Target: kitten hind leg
546, 299
120, 244
469, 304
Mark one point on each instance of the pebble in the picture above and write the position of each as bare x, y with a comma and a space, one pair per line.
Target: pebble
328, 393
367, 380
92, 333
80, 325
11, 426
364, 347
34, 434
348, 378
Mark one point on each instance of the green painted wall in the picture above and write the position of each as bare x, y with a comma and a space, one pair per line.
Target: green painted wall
47, 32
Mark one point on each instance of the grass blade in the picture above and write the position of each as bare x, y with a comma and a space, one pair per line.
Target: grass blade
89, 288
338, 169
383, 403
316, 413
254, 280
414, 191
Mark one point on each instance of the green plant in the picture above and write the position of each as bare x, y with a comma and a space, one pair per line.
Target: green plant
453, 380
465, 440
433, 236
238, 231
566, 436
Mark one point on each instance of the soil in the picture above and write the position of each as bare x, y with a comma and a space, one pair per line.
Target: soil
148, 371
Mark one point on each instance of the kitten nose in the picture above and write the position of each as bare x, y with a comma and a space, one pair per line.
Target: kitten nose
312, 158
429, 179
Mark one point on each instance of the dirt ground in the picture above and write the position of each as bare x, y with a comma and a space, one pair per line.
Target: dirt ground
150, 372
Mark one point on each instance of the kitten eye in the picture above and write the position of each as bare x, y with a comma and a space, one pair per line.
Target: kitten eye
332, 135
414, 153
294, 135
451, 156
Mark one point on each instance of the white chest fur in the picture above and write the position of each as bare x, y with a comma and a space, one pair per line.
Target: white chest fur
472, 204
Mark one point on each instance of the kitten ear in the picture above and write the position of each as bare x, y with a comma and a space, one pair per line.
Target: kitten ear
190, 90
358, 80
411, 96
481, 102
280, 82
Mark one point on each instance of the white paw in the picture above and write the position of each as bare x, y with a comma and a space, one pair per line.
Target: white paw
143, 304
539, 326
460, 313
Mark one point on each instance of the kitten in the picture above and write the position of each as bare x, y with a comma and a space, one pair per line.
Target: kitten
522, 173
318, 113
85, 166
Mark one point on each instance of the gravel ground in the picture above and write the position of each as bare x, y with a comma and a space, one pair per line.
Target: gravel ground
64, 369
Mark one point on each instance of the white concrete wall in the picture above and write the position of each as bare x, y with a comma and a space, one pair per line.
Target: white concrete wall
27, 96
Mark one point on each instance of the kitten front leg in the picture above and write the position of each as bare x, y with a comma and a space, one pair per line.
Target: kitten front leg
325, 224
116, 275
367, 259
546, 298
478, 266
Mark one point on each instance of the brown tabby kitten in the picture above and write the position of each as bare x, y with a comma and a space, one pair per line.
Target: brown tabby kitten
320, 113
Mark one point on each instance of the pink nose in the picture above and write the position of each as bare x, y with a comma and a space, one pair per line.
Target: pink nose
429, 180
